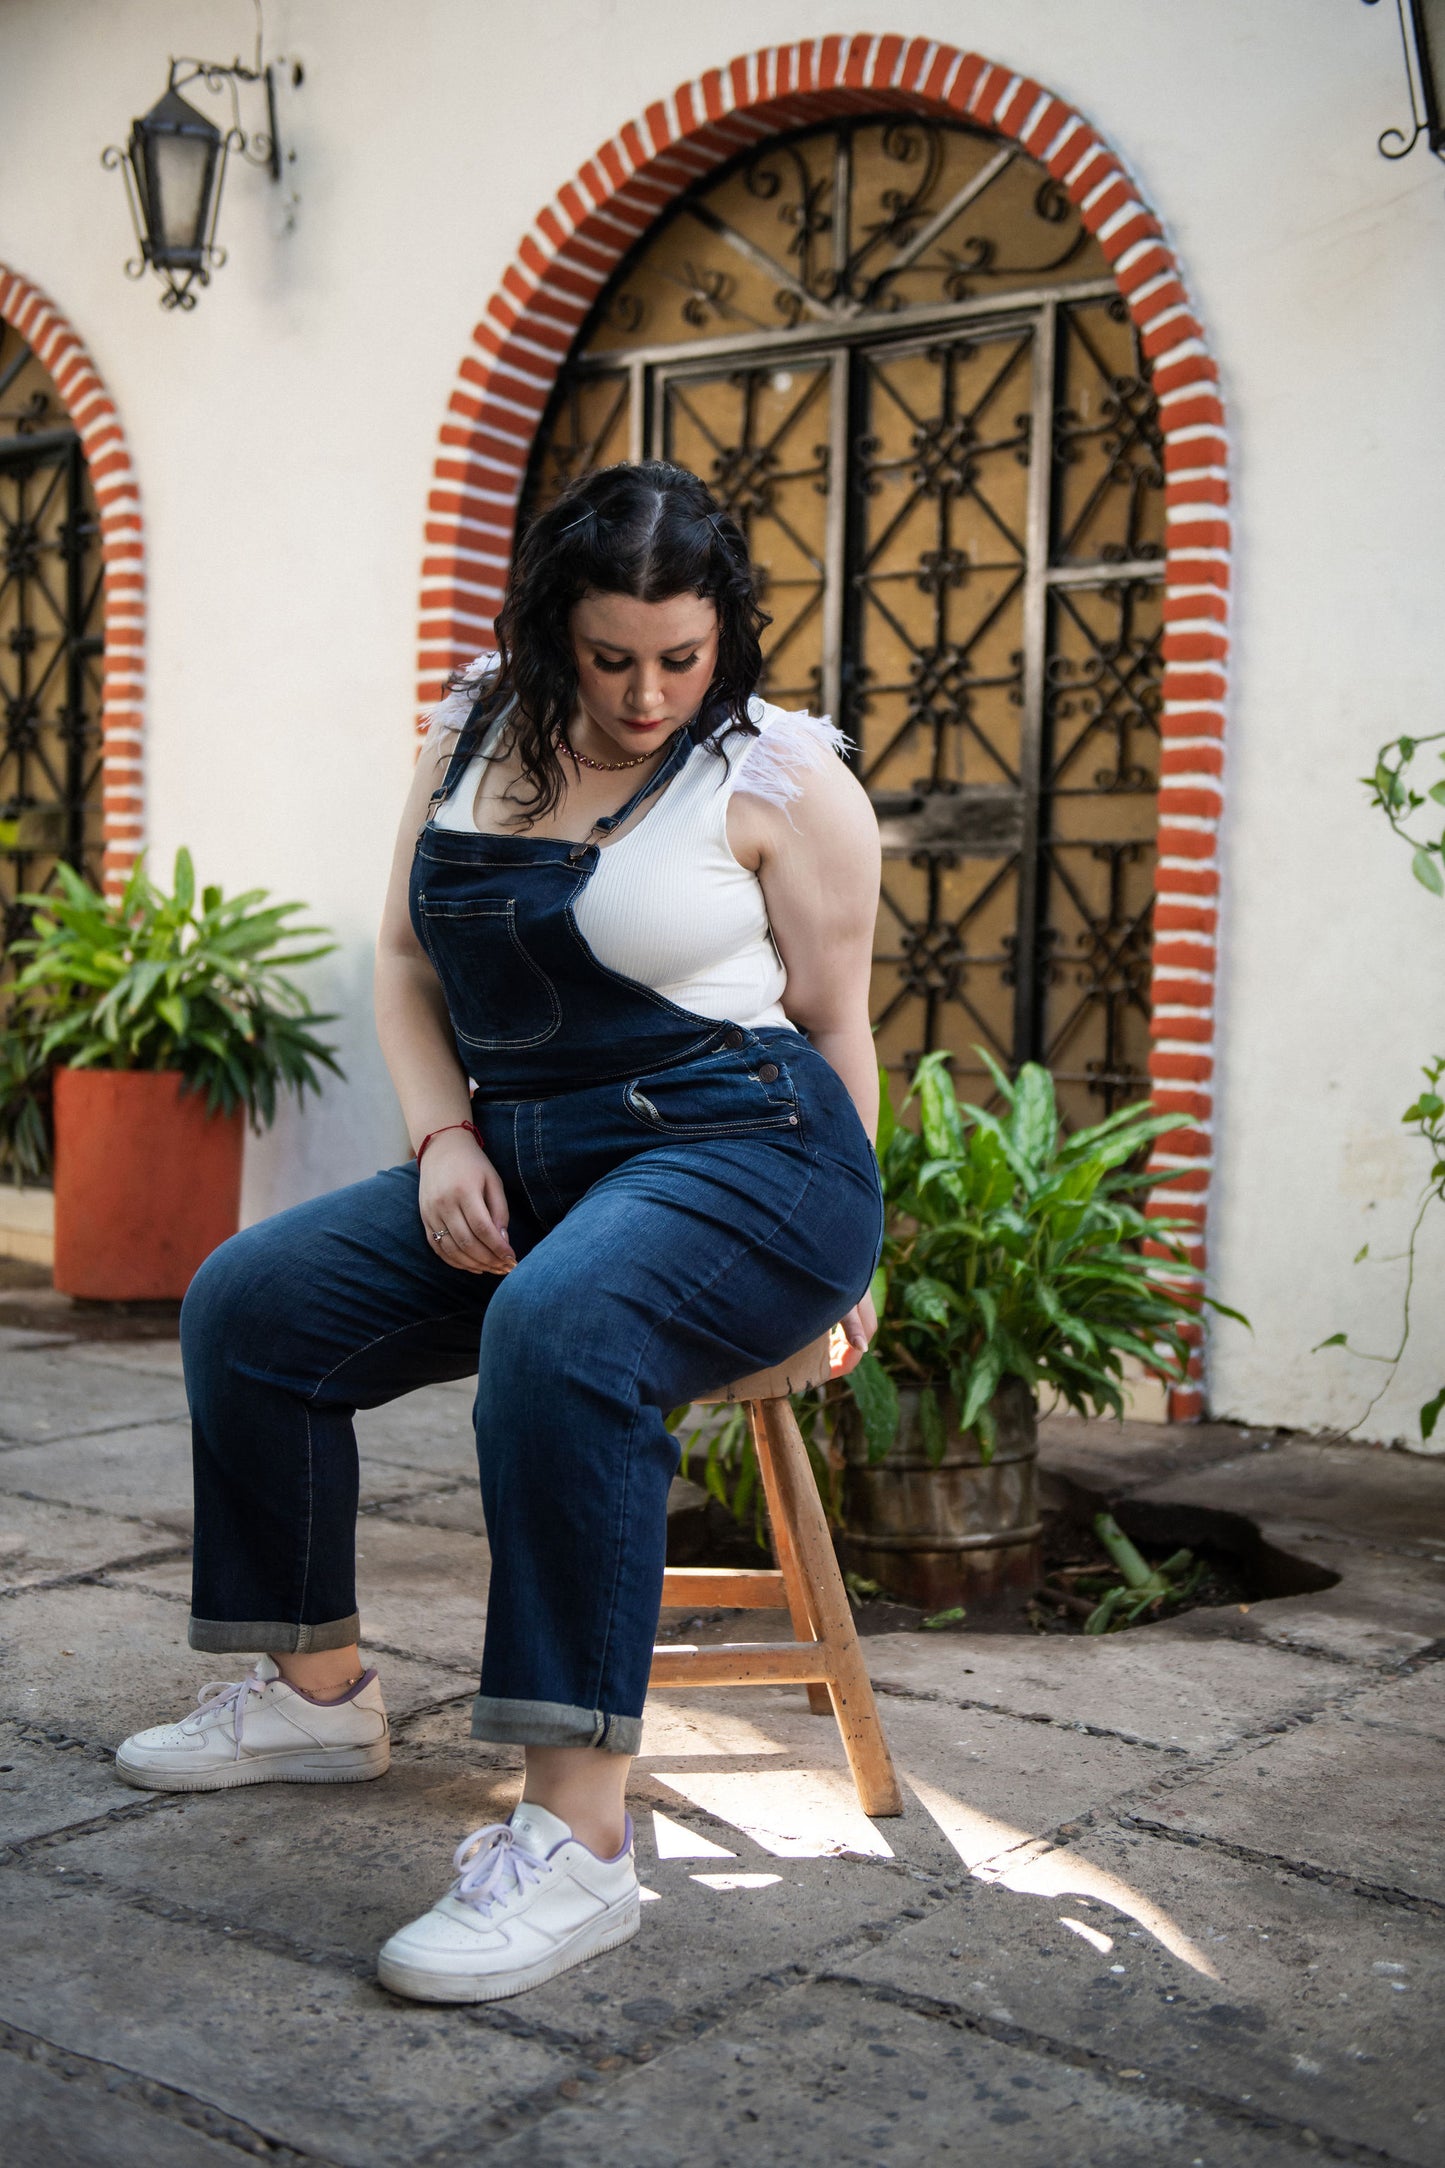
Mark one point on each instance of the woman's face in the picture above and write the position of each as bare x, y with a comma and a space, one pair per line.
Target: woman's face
643, 667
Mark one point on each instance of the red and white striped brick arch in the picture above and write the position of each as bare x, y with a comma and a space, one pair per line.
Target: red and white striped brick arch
576, 243
91, 409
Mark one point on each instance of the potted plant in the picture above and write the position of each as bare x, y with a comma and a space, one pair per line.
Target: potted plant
165, 1022
1016, 1260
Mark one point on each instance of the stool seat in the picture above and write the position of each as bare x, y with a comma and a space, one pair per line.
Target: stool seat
824, 1655
812, 1365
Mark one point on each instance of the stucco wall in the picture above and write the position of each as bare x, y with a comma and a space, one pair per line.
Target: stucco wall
283, 436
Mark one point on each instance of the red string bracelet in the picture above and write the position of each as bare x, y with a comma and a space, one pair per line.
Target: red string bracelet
426, 1140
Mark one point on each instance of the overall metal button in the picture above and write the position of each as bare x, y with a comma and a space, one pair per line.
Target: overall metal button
735, 1039
768, 1073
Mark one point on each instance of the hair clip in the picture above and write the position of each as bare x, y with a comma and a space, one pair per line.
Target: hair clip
590, 513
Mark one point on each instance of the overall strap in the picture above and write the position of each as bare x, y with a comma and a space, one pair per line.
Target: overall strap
474, 733
682, 745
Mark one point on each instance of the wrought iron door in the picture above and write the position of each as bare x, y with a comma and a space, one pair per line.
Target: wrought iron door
900, 360
50, 639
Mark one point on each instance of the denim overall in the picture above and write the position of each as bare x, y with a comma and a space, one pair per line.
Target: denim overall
690, 1200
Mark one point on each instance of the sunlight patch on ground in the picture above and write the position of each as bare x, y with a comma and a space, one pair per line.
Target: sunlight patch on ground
1102, 1943
735, 1881
672, 1841
792, 1813
670, 1727
1032, 1867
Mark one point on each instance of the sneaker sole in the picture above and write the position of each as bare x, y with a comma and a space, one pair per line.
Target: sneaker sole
339, 1765
420, 1985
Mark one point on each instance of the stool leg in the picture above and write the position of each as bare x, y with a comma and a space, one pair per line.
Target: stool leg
801, 1511
805, 1626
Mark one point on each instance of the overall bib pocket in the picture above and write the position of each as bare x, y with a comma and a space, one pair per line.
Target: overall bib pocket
724, 1095
497, 994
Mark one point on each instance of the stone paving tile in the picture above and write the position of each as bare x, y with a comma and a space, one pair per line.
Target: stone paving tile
824, 2074
735, 1755
97, 1662
300, 2052
15, 1338
1117, 1458
1415, 1703
65, 2122
430, 1431
1172, 1687
460, 1508
144, 1472
37, 1542
143, 1358
1336, 1793
1322, 2014
45, 1788
44, 1393
1372, 1495
335, 1869
420, 1589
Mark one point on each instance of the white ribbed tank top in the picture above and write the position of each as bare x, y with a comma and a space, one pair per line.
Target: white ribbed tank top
669, 905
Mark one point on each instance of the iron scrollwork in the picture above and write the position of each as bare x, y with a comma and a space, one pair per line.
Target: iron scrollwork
967, 571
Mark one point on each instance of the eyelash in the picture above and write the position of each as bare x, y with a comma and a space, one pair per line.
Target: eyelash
615, 669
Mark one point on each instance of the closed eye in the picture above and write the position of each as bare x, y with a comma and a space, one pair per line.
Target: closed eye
614, 668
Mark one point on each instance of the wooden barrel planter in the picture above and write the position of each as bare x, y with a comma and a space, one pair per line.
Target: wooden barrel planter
958, 1531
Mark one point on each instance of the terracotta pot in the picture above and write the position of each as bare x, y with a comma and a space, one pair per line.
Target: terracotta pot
956, 1533
147, 1183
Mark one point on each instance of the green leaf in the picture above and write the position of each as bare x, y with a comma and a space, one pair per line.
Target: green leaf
1426, 868
982, 1384
941, 1619
1336, 1339
932, 1425
939, 1117
928, 1300
876, 1397
1034, 1123
1431, 1412
887, 1119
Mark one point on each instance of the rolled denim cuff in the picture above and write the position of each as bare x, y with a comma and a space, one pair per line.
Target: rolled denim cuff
226, 1637
553, 1723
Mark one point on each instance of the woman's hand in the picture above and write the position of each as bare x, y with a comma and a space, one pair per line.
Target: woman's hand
858, 1328
462, 1201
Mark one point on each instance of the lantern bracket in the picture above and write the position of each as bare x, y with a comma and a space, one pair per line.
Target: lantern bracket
1425, 81
183, 268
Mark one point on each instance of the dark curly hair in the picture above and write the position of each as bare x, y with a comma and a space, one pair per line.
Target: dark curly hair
651, 531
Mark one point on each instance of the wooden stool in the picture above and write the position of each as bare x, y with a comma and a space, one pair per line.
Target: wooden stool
824, 1656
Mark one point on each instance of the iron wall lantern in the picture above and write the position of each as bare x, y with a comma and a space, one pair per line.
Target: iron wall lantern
1422, 33
174, 166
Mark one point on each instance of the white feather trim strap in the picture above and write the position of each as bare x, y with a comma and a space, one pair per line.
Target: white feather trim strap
773, 763
449, 715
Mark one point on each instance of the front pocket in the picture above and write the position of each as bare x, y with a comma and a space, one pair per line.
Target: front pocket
498, 996
721, 1097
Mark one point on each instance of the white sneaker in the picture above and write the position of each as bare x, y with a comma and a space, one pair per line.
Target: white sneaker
259, 1730
529, 1901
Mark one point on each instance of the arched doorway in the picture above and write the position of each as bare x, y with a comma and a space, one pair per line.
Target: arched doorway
105, 687
573, 249
51, 638
894, 349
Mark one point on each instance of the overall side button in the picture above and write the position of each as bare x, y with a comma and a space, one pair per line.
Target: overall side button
735, 1039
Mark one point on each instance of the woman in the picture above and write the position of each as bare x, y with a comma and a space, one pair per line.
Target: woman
621, 989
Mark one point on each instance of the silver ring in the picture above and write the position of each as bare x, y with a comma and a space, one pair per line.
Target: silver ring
439, 1235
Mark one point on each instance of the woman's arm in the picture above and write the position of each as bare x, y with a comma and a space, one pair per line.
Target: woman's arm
819, 874
461, 1191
